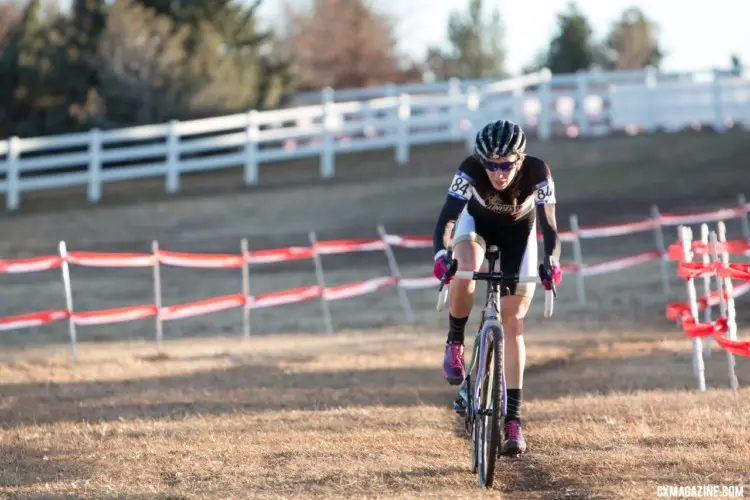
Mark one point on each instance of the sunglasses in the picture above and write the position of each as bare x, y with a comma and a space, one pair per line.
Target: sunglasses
494, 167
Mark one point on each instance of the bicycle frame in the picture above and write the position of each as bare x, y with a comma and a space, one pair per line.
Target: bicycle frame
491, 316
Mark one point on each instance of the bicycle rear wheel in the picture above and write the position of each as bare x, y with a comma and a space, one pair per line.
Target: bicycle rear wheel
488, 412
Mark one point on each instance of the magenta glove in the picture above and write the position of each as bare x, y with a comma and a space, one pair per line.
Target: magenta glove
441, 265
550, 273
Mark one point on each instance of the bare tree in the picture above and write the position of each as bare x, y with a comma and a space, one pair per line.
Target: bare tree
343, 43
9, 15
632, 43
144, 61
477, 45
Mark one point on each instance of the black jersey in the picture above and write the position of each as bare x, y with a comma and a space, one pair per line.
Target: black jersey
513, 206
532, 185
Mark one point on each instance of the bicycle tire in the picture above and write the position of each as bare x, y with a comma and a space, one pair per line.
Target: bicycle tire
469, 426
489, 435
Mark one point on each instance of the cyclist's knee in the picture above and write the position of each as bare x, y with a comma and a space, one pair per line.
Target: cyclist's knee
515, 308
514, 324
469, 255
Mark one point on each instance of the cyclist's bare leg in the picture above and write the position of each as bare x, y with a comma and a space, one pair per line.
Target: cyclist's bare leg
514, 311
469, 255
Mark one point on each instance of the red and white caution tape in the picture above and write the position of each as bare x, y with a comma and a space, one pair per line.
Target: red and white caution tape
117, 315
701, 217
618, 229
619, 264
733, 247
284, 297
226, 261
567, 236
738, 347
689, 270
346, 246
409, 241
357, 289
201, 307
279, 255
30, 265
676, 310
33, 319
200, 260
96, 259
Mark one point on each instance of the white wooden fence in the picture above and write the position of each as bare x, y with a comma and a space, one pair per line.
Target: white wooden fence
594, 103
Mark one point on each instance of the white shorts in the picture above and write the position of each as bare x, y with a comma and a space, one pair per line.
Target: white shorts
517, 244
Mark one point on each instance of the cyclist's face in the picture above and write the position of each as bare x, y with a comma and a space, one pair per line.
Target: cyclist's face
502, 170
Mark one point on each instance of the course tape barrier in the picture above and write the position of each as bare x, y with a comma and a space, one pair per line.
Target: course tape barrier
246, 258
715, 266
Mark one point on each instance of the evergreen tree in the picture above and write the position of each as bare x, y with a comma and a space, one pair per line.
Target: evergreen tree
22, 99
572, 47
231, 63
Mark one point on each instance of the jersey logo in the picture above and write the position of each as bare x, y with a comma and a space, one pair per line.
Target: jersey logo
460, 186
545, 193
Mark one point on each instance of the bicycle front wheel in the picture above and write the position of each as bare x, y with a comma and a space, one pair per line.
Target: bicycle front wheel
488, 411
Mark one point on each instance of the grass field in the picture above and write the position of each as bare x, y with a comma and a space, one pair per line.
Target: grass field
610, 400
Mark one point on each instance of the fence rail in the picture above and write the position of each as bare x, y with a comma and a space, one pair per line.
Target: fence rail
580, 104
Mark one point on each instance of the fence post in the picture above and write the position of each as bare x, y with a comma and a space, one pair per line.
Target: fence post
472, 107
396, 273
686, 238
718, 105
245, 289
95, 166
251, 148
157, 296
402, 140
727, 305
583, 90
706, 281
545, 101
578, 258
661, 247
745, 218
68, 299
173, 158
327, 154
13, 175
321, 284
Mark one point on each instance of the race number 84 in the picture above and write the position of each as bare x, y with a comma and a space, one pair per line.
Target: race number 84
460, 187
546, 193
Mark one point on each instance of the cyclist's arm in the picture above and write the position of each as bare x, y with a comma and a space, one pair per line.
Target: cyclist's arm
548, 223
545, 211
447, 218
459, 193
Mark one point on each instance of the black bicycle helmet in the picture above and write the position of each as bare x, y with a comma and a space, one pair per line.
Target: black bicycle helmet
499, 138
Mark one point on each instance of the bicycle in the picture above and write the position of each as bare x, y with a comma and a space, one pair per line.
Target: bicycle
490, 391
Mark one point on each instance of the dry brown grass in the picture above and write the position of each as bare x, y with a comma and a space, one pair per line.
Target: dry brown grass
362, 414
610, 401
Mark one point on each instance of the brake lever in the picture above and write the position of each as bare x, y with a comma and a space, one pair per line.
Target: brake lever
449, 272
546, 276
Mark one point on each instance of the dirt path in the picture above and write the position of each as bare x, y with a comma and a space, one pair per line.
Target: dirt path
362, 415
